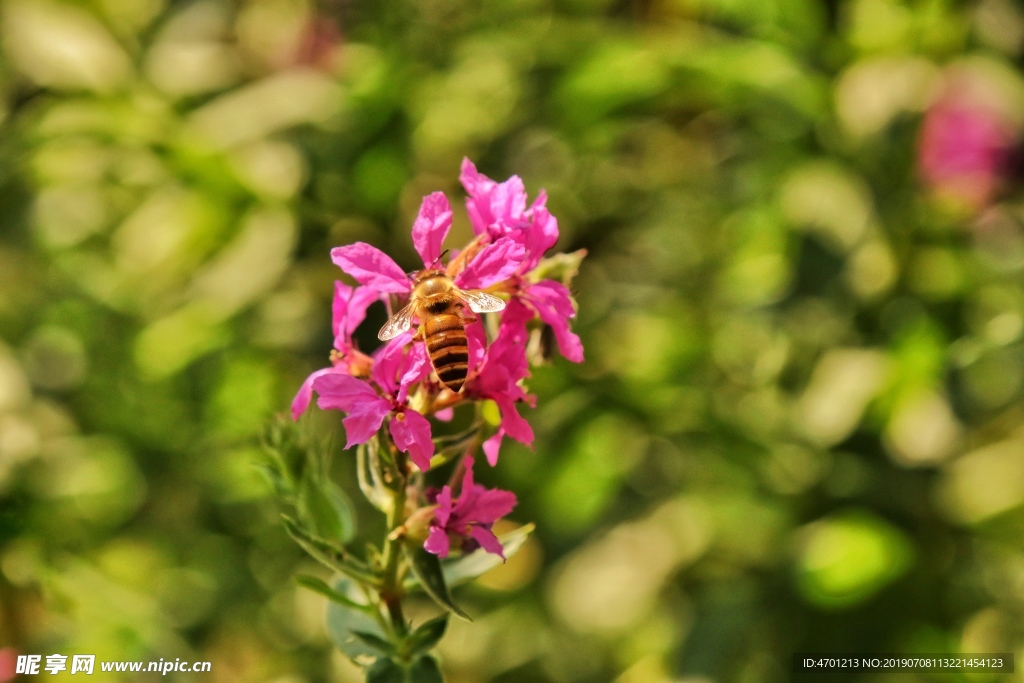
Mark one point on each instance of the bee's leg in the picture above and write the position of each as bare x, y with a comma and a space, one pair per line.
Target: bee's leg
465, 313
418, 336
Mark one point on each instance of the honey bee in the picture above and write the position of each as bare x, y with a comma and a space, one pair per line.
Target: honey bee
437, 303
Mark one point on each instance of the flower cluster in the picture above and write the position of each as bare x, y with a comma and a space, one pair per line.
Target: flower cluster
397, 383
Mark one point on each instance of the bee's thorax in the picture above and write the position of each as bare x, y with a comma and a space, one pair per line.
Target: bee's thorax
431, 283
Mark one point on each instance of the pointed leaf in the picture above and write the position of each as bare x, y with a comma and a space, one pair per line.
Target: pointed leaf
317, 586
427, 569
342, 621
427, 635
374, 641
465, 569
327, 554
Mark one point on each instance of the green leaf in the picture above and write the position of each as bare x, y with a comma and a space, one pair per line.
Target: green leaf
478, 562
327, 554
386, 671
465, 569
425, 670
374, 641
427, 569
316, 585
343, 621
427, 635
327, 510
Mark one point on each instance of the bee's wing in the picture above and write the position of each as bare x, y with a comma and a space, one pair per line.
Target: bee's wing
399, 323
481, 302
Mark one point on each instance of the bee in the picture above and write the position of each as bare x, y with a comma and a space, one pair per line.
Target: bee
438, 304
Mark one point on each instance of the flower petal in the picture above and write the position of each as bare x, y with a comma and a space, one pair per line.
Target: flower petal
492, 446
541, 235
339, 391
513, 423
507, 205
478, 186
371, 267
444, 506
491, 505
487, 540
445, 414
349, 311
551, 299
364, 421
387, 361
412, 435
431, 227
461, 513
509, 348
301, 401
415, 368
437, 542
494, 263
476, 340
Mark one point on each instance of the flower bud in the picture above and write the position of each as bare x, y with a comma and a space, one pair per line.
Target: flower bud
417, 525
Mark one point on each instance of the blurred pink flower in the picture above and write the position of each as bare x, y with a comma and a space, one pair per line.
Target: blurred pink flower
469, 518
395, 370
319, 44
964, 147
349, 310
8, 664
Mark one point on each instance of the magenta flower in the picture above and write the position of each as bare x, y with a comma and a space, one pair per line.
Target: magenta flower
349, 310
470, 518
395, 370
375, 269
498, 212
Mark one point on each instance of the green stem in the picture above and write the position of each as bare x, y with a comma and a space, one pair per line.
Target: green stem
391, 589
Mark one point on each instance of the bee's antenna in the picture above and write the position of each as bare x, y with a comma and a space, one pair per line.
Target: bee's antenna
437, 261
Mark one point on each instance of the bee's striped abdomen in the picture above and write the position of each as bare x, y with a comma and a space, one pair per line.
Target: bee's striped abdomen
445, 336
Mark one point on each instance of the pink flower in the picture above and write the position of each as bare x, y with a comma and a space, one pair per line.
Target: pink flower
375, 269
8, 664
395, 371
553, 304
499, 372
349, 310
470, 518
498, 211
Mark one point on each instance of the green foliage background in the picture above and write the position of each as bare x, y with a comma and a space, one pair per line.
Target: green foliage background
798, 427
